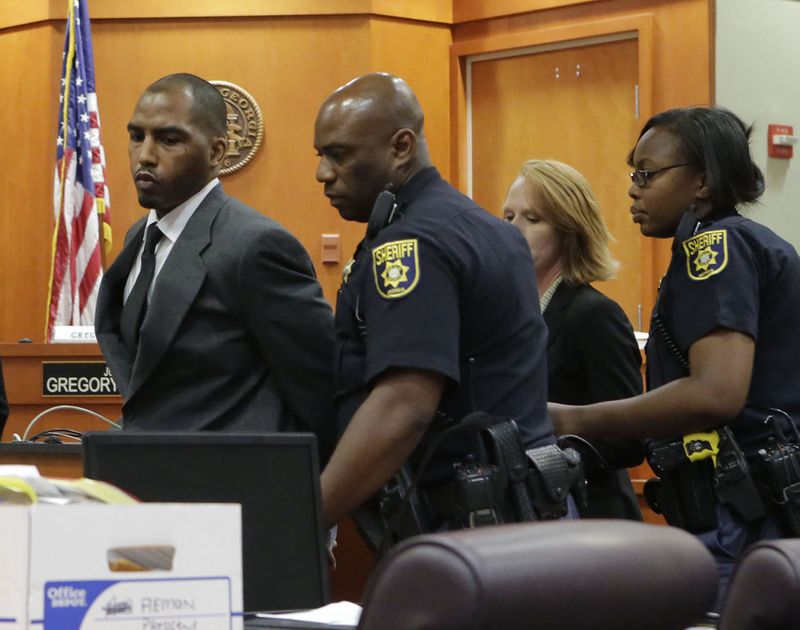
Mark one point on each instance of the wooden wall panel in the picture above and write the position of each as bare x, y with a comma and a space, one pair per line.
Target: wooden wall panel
474, 10
523, 108
426, 70
16, 12
28, 119
682, 50
289, 64
420, 54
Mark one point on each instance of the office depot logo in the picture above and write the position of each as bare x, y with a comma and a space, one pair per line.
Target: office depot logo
66, 597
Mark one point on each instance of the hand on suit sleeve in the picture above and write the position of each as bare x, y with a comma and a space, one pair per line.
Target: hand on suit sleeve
293, 325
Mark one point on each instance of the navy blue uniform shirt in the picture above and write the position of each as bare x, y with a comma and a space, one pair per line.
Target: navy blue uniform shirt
738, 275
446, 287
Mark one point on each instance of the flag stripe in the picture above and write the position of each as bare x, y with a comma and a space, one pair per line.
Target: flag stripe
80, 194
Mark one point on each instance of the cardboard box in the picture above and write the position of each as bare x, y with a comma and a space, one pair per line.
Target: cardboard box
55, 571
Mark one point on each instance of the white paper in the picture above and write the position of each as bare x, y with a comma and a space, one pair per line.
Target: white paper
340, 613
26, 471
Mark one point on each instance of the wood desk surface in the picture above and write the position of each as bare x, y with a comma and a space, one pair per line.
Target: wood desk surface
52, 460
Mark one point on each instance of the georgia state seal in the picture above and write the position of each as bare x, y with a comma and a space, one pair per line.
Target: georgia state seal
245, 126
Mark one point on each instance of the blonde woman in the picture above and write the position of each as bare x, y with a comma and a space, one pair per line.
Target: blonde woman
592, 354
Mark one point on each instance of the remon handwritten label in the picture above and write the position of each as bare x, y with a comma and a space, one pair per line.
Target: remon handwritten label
151, 604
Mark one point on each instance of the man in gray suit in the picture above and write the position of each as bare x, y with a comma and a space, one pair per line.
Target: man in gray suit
211, 317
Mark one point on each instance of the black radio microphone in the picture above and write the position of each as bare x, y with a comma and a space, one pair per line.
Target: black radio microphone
382, 212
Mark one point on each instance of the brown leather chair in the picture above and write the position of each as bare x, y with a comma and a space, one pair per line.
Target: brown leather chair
765, 590
561, 575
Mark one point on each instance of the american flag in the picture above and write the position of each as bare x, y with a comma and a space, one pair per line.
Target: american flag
80, 194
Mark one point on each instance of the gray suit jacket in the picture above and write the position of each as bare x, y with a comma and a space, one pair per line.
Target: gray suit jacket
237, 336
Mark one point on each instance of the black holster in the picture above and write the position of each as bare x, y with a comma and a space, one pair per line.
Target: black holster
734, 482
509, 485
537, 481
395, 513
684, 495
779, 467
686, 492
555, 473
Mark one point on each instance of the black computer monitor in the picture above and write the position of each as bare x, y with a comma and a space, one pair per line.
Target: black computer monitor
275, 477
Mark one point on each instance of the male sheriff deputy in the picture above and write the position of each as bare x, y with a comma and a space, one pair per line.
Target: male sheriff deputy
437, 315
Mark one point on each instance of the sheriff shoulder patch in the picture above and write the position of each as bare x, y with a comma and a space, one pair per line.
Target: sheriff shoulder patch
395, 266
706, 254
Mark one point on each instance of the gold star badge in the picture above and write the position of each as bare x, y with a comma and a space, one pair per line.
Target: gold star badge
394, 273
705, 258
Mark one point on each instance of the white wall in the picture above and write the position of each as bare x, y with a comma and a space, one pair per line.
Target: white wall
758, 78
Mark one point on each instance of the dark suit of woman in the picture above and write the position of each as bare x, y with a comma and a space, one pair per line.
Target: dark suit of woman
592, 356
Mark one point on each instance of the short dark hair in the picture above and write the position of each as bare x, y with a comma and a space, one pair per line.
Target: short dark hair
718, 142
209, 109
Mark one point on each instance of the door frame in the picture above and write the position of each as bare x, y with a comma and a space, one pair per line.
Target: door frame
463, 54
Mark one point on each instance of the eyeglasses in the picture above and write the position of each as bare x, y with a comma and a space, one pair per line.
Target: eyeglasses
641, 177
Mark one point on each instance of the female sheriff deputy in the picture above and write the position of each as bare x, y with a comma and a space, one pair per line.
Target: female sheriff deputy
723, 377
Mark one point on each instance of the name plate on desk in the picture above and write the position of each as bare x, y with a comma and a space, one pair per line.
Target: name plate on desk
74, 334
77, 378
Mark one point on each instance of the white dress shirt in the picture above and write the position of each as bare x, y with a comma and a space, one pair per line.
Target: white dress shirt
171, 225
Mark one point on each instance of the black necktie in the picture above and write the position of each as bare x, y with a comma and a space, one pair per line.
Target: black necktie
136, 305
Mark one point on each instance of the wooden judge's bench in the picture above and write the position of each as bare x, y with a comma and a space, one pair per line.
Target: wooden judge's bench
40, 376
